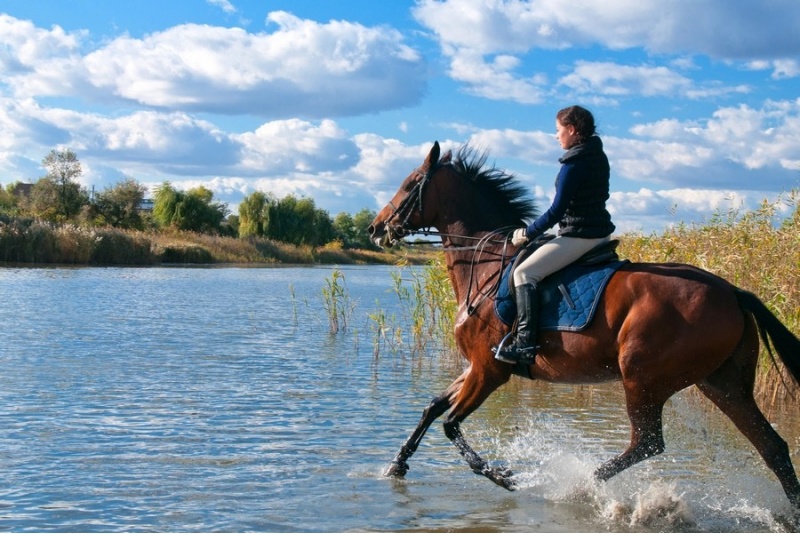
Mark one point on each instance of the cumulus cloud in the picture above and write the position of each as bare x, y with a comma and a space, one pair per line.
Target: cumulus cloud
297, 75
489, 27
486, 39
293, 145
301, 69
651, 210
735, 146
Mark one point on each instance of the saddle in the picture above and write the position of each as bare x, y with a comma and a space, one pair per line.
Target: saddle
567, 298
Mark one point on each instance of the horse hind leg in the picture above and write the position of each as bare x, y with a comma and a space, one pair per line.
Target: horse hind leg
647, 438
731, 388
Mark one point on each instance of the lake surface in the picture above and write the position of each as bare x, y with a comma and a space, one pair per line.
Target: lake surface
217, 399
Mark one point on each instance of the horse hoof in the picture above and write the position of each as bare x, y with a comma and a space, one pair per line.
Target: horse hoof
503, 477
396, 469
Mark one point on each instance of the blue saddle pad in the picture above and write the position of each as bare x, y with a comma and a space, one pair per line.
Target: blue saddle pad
567, 299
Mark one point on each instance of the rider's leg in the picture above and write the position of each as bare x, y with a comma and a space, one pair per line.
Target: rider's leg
547, 259
524, 347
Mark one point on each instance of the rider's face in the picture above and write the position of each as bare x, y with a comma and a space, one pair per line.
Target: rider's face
566, 135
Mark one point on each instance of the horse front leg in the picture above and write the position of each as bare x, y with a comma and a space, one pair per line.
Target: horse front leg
501, 476
438, 406
479, 383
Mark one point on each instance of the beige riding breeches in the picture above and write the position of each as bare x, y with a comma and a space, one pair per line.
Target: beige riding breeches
552, 256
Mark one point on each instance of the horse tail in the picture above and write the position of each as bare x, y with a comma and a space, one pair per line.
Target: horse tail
772, 330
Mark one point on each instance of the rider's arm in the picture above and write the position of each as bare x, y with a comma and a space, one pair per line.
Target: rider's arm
566, 186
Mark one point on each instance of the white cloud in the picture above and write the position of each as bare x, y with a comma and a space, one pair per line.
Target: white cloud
472, 32
649, 210
302, 69
615, 80
488, 26
495, 80
534, 147
224, 5
736, 146
293, 145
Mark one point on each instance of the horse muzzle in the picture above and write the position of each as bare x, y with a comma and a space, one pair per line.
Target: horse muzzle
387, 236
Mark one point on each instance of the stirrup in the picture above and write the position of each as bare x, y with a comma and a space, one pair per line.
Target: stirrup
527, 356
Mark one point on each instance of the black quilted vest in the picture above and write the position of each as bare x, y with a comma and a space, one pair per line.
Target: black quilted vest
587, 215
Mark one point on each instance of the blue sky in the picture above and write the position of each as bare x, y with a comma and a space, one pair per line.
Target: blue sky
697, 101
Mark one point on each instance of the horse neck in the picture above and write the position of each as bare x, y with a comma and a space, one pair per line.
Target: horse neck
469, 259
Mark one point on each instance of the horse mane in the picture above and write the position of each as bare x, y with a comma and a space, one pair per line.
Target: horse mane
495, 186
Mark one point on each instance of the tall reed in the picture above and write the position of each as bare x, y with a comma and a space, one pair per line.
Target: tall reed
756, 250
337, 302
427, 311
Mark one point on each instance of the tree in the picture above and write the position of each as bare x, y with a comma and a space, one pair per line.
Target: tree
8, 201
58, 197
254, 215
361, 222
323, 226
119, 205
298, 221
56, 202
193, 210
344, 228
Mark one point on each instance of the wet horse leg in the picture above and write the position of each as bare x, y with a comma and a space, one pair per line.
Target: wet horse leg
477, 387
647, 439
751, 422
499, 475
438, 406
731, 388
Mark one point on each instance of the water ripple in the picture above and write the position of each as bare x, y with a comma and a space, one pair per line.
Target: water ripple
167, 399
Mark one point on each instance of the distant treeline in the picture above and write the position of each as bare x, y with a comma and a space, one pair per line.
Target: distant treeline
59, 199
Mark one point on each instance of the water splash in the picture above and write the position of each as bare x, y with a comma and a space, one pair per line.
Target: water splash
661, 506
556, 460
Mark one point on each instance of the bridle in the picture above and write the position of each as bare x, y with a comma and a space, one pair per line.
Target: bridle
405, 209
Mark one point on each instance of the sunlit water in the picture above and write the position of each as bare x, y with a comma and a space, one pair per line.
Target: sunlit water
181, 399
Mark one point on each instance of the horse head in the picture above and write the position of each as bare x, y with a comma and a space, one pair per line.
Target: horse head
408, 209
468, 198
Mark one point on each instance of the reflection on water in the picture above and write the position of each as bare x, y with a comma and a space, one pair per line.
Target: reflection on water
216, 400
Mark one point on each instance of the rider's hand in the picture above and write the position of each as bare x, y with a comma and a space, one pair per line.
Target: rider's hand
520, 237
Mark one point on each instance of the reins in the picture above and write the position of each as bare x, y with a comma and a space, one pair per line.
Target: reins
496, 237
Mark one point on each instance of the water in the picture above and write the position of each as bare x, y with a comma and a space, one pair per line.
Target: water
216, 399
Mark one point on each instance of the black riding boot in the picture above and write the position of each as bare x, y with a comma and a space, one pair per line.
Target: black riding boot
524, 347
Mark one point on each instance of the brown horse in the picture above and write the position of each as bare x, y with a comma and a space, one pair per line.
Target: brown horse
659, 327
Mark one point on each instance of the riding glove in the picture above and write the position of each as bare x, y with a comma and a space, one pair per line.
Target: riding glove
520, 237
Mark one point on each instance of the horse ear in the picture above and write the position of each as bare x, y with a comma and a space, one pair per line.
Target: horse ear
446, 158
433, 156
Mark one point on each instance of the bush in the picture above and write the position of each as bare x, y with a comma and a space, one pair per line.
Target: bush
185, 254
113, 247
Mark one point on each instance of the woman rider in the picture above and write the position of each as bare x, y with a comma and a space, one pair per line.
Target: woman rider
579, 208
